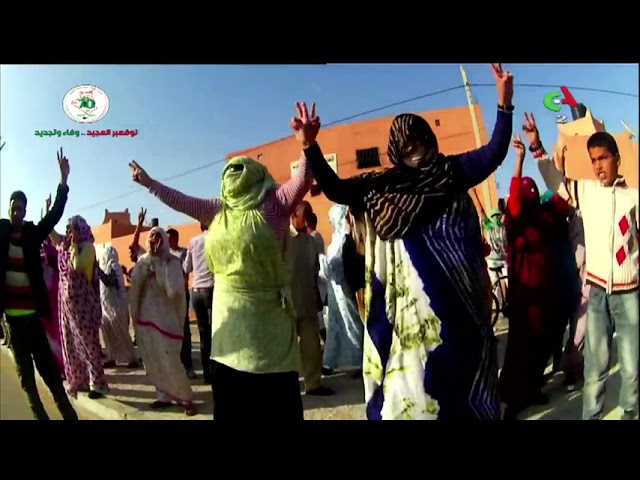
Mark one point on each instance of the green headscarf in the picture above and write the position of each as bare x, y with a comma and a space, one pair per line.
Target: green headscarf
245, 189
254, 324
494, 220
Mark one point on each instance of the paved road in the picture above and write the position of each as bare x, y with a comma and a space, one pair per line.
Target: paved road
131, 395
13, 401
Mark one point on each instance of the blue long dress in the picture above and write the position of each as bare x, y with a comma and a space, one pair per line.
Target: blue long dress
429, 348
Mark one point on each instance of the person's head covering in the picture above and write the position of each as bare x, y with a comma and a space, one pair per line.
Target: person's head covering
245, 183
530, 193
110, 262
409, 127
82, 228
165, 250
338, 218
546, 196
109, 257
402, 198
494, 220
82, 251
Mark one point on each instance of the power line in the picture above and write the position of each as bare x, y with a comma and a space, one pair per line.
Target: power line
222, 160
384, 154
361, 114
541, 85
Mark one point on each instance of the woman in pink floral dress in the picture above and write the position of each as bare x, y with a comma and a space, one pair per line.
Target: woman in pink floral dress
80, 310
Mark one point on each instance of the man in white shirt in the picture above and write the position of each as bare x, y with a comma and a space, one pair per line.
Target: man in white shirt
185, 352
609, 209
201, 296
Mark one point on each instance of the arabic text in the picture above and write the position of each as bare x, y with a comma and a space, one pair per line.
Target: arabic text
89, 133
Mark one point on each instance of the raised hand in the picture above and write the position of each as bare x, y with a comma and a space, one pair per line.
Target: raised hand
139, 175
306, 126
559, 158
141, 216
47, 204
63, 163
504, 84
530, 130
519, 147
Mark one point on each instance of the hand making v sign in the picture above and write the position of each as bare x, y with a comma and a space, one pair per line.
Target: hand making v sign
306, 126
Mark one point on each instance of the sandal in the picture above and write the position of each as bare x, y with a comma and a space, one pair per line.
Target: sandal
95, 395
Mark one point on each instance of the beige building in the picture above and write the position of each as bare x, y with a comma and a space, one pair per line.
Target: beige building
361, 146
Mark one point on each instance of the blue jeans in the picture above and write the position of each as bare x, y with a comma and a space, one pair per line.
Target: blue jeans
606, 312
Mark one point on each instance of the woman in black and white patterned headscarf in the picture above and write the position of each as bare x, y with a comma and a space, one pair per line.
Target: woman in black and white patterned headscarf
429, 348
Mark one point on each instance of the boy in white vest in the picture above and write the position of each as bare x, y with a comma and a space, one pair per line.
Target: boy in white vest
609, 209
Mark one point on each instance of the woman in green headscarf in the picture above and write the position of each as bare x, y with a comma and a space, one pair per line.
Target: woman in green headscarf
255, 353
494, 233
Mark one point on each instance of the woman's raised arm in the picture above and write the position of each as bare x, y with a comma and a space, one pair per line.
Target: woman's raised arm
343, 191
478, 164
201, 209
292, 192
514, 202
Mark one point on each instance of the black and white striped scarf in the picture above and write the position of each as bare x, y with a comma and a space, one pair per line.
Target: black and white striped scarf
402, 197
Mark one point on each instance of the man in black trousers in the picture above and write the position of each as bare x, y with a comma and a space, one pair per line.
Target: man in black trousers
24, 299
201, 296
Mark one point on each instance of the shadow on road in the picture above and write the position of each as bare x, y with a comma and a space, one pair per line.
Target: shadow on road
132, 388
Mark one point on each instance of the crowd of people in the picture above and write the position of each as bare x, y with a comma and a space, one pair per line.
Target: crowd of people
401, 298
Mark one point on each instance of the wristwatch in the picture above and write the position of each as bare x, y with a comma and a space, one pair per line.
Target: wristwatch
506, 109
535, 148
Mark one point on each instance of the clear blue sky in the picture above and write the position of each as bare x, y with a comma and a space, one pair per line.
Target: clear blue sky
191, 115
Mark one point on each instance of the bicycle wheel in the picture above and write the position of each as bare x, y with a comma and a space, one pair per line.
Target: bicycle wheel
495, 310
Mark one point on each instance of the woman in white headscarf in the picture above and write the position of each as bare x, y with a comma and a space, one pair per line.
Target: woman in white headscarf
345, 329
115, 312
157, 305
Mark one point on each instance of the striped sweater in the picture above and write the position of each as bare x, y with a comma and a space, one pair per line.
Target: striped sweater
276, 207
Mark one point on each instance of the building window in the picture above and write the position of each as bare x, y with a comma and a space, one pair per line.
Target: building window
437, 122
368, 158
332, 160
294, 167
259, 157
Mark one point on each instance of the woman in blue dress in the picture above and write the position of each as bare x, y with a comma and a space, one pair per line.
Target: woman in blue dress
343, 348
429, 348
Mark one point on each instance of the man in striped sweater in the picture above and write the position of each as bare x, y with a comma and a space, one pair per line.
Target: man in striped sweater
24, 299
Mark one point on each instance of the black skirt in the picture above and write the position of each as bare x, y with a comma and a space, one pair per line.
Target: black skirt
255, 396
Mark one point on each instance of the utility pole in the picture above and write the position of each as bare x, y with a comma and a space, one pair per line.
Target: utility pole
476, 132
